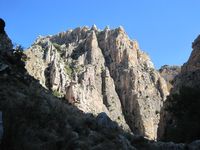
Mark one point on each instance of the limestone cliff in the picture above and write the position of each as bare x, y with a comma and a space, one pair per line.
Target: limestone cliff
101, 71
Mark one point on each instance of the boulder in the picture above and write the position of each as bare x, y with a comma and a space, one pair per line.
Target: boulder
105, 122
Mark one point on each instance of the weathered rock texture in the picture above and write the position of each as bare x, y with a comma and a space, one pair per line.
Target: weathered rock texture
169, 73
101, 71
181, 113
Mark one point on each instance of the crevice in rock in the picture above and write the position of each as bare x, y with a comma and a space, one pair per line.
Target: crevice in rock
105, 98
47, 76
78, 51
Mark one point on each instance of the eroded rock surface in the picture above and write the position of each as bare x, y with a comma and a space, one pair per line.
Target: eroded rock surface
101, 71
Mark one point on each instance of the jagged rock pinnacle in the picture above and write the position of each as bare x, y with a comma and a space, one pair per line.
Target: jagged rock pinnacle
107, 28
94, 27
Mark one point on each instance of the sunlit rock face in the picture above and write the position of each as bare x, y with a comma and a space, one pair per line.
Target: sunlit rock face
101, 71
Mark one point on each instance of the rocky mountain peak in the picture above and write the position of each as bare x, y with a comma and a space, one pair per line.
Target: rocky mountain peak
94, 27
120, 29
109, 73
196, 43
190, 71
193, 62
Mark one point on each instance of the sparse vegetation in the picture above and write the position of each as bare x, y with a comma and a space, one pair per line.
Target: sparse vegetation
79, 68
184, 108
19, 53
57, 94
68, 70
57, 46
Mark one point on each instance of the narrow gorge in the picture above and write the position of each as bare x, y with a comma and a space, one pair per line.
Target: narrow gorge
96, 89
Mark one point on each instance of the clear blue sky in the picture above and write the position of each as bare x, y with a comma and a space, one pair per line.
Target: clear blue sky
164, 29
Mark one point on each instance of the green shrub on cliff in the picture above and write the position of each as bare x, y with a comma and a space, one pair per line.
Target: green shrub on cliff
184, 108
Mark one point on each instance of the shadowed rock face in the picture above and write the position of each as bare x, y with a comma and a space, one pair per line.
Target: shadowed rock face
2, 26
181, 113
5, 42
101, 71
